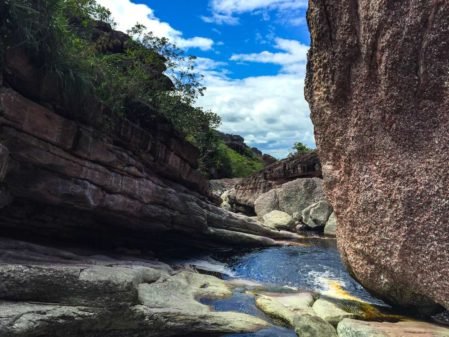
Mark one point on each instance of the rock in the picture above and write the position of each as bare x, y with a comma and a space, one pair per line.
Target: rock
377, 84
317, 215
286, 307
313, 326
355, 328
278, 220
51, 292
292, 197
219, 186
331, 225
274, 175
120, 190
330, 312
4, 160
225, 200
296, 310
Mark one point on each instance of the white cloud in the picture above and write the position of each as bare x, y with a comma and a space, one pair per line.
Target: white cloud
225, 11
270, 112
293, 57
127, 13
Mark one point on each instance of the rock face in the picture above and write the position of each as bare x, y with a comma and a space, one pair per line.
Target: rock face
67, 179
276, 174
378, 87
292, 197
51, 292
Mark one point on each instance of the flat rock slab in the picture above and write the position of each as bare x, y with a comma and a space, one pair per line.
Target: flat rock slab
355, 328
330, 311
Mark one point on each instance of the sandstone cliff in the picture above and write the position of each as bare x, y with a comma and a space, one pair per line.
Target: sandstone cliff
377, 84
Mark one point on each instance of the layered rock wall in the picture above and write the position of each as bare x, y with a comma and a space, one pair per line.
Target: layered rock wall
378, 87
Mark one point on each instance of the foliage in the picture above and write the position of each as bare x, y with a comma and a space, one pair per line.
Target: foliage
300, 148
219, 160
46, 29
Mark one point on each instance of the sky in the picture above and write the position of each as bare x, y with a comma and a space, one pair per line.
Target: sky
252, 54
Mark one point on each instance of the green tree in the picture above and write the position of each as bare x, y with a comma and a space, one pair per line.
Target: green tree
300, 148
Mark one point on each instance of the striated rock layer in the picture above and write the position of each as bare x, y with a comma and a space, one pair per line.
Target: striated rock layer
62, 180
378, 87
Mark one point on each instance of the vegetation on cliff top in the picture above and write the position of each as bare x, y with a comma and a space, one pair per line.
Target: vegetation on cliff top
61, 38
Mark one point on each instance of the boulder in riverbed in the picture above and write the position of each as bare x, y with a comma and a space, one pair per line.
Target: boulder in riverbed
317, 215
292, 197
278, 220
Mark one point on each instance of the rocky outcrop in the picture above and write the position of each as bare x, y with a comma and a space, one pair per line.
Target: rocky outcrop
377, 84
276, 174
80, 184
351, 327
52, 292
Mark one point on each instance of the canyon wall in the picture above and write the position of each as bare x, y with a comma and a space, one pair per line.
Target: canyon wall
378, 87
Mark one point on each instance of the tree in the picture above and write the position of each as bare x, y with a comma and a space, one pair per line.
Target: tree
300, 148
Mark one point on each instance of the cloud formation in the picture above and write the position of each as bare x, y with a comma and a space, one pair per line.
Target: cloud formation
270, 112
127, 13
227, 11
292, 58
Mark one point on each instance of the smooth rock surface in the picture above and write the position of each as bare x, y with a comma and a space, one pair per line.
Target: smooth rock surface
330, 312
296, 310
317, 215
51, 292
278, 220
331, 225
292, 197
355, 328
377, 84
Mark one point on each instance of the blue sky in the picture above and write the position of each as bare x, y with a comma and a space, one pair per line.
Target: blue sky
252, 54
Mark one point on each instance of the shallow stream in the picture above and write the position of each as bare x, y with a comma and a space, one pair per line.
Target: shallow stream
316, 267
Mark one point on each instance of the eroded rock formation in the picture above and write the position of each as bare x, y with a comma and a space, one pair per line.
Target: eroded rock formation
274, 175
378, 87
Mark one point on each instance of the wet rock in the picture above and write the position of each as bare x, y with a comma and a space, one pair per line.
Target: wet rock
278, 220
355, 328
286, 307
330, 312
377, 84
331, 225
313, 326
317, 215
296, 310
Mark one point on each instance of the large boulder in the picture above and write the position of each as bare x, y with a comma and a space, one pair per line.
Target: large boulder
292, 197
274, 175
377, 84
278, 220
317, 215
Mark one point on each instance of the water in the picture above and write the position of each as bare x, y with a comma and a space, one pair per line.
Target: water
316, 268
311, 268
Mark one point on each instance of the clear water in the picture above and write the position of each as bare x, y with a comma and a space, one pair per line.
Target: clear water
307, 268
